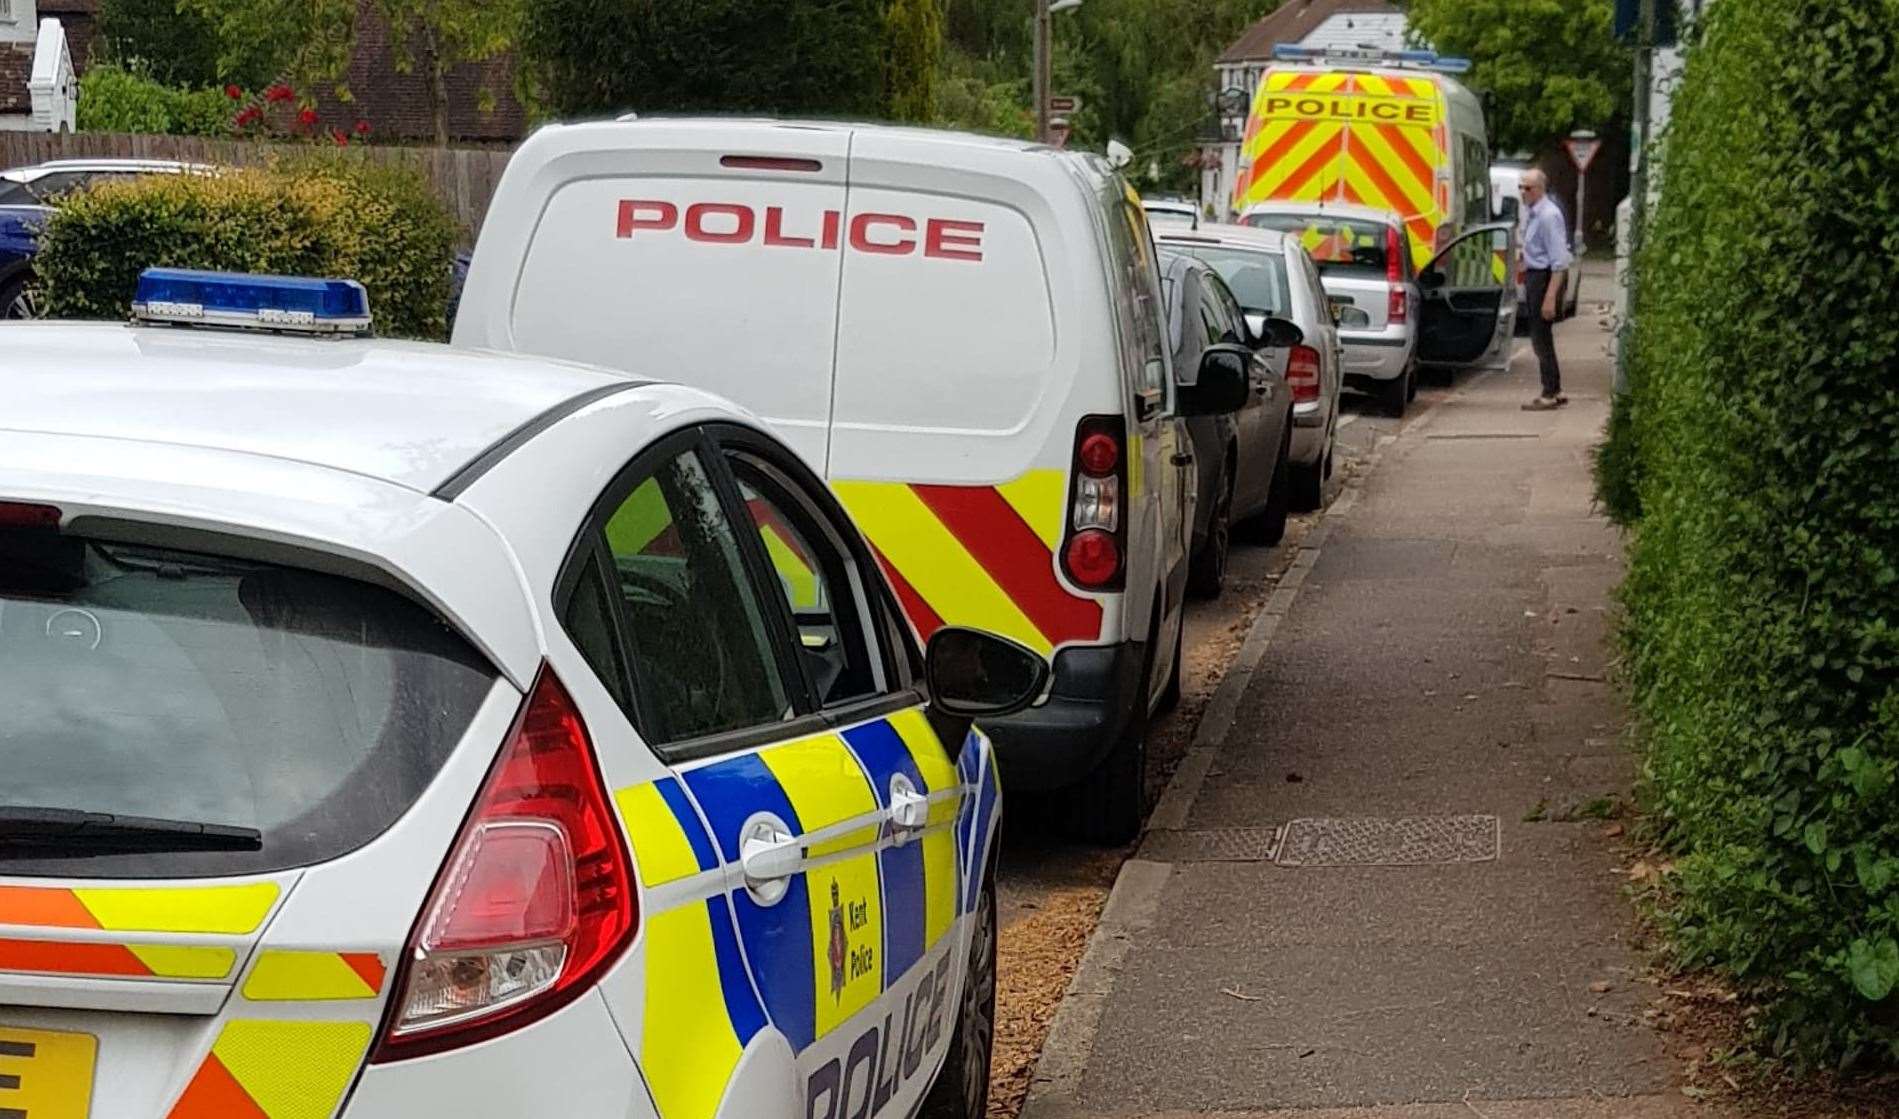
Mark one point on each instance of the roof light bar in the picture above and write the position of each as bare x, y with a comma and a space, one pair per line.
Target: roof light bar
245, 301
1423, 60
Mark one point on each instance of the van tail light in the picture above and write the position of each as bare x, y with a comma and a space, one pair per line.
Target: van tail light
1097, 530
535, 901
1302, 374
23, 514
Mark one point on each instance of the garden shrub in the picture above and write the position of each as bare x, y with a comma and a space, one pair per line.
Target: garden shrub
115, 99
1762, 431
316, 215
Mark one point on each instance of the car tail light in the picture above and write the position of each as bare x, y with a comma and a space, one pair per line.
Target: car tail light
1302, 374
1394, 255
1096, 529
535, 901
1397, 305
24, 514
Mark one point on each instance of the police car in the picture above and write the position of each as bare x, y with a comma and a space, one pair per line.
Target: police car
395, 730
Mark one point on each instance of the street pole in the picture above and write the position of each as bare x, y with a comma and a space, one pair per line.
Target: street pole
1638, 186
1043, 68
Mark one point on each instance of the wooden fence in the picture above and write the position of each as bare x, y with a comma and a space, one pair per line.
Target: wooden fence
464, 178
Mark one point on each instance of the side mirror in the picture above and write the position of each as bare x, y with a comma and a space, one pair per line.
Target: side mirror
1276, 332
1430, 279
977, 675
1223, 384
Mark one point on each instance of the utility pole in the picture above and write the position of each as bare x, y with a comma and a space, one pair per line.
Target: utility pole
1044, 44
1638, 186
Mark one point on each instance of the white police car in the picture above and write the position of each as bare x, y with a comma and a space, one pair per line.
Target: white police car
394, 730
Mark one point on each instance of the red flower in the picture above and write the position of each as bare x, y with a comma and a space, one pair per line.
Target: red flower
278, 91
341, 137
306, 116
233, 92
249, 115
362, 128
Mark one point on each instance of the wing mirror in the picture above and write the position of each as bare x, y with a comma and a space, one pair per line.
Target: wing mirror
1223, 382
1430, 279
1271, 330
977, 675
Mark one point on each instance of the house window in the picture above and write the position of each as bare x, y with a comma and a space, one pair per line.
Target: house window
6, 10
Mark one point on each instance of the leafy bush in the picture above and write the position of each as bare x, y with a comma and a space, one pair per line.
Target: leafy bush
1763, 595
116, 99
316, 215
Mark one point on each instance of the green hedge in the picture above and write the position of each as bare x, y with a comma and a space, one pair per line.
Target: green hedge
317, 216
112, 99
1762, 438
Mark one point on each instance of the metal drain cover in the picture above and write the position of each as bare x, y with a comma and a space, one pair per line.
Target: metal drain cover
1214, 845
1405, 841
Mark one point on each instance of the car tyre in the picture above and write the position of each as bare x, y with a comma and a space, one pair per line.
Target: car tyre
961, 1090
1394, 394
1106, 809
18, 300
1206, 572
1170, 696
1269, 526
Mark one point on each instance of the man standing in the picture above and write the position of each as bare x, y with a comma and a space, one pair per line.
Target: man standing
1545, 267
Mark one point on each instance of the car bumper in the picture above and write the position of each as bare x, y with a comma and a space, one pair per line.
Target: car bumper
1093, 698
1308, 443
1380, 356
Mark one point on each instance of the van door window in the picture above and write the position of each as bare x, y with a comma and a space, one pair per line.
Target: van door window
1141, 334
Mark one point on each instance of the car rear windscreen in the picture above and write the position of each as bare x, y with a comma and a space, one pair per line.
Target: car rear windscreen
1257, 276
1339, 246
292, 714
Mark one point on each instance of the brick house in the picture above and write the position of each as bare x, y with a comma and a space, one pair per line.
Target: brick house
398, 105
38, 88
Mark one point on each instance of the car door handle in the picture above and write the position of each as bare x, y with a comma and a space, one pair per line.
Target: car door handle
909, 809
1182, 459
769, 853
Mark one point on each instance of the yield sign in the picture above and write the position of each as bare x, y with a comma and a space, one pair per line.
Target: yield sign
1582, 152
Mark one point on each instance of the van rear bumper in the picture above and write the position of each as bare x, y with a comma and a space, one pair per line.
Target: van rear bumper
1093, 698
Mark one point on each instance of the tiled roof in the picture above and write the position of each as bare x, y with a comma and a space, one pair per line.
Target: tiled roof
16, 68
1292, 22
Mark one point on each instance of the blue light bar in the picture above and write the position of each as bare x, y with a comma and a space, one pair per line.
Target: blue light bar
1424, 60
244, 301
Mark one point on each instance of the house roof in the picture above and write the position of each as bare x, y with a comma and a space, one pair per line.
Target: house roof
16, 68
1292, 22
68, 7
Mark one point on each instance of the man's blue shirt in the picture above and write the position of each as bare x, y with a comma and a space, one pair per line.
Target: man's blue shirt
1545, 237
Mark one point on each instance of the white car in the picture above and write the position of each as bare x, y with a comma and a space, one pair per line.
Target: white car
1165, 213
399, 731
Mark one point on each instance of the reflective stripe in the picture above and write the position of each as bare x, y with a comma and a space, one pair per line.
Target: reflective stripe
688, 1045
139, 961
1040, 498
170, 961
201, 909
664, 847
287, 976
276, 1070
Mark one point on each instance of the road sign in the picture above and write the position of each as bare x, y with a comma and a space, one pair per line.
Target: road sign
1060, 105
1582, 150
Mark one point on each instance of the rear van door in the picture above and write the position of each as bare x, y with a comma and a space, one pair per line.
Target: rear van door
706, 255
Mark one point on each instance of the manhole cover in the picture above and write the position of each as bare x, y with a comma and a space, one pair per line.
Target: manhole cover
1215, 845
1406, 841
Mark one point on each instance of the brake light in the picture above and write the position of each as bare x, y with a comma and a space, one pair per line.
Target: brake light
1398, 306
24, 514
1302, 374
1394, 258
534, 903
1092, 556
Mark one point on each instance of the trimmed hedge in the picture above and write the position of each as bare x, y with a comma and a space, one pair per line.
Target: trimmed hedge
113, 99
1760, 445
318, 215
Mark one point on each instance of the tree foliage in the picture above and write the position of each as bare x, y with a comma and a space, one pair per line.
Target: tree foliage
1553, 66
155, 40
113, 98
1762, 435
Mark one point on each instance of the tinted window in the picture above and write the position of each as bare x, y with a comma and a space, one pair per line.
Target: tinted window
189, 687
1132, 248
1257, 276
700, 652
1339, 246
814, 572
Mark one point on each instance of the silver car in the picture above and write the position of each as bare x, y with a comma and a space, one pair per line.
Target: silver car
1363, 260
1274, 279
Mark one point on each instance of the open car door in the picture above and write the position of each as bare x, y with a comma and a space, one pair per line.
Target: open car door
1467, 291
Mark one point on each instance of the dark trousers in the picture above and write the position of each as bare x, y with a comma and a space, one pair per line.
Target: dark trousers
1536, 288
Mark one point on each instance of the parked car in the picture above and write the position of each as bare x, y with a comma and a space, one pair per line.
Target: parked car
1506, 203
1165, 213
1244, 481
394, 730
28, 195
964, 335
1277, 288
1367, 274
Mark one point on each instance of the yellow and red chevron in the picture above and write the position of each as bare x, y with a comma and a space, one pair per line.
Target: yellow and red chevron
128, 961
981, 556
1316, 158
261, 1069
233, 910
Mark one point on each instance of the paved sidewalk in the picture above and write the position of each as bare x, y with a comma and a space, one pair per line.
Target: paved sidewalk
1442, 656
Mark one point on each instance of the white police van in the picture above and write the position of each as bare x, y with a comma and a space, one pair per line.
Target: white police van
393, 731
962, 334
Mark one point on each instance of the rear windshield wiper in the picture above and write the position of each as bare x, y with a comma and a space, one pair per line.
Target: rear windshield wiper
30, 829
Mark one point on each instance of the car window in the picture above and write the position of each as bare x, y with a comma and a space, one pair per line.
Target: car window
1229, 306
1132, 250
1257, 277
826, 597
190, 686
1471, 260
1339, 246
699, 650
1219, 325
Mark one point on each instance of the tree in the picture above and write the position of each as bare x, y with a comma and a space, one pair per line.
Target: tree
1552, 66
913, 48
151, 38
311, 41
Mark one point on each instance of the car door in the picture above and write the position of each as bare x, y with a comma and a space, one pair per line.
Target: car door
1461, 315
1253, 424
760, 658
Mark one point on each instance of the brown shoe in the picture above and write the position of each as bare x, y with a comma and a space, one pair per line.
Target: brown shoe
1562, 398
1541, 404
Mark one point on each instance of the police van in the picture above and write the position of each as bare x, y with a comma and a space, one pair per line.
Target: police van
963, 335
394, 731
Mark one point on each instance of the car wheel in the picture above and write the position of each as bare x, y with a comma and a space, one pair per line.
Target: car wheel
1106, 808
1206, 573
1308, 485
1394, 394
1269, 526
1170, 696
18, 300
961, 1090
